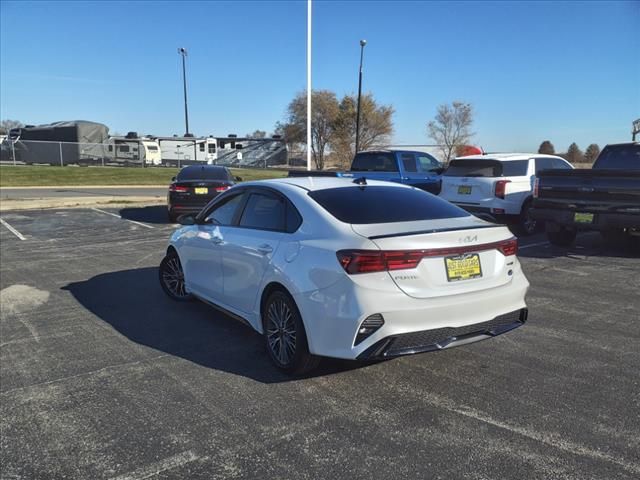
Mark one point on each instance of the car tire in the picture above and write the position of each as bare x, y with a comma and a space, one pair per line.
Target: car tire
285, 336
171, 278
527, 225
172, 217
561, 236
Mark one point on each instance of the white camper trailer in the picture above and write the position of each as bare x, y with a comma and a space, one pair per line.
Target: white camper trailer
178, 151
134, 150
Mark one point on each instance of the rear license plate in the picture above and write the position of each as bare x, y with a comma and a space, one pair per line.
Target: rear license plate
464, 190
463, 267
579, 217
201, 190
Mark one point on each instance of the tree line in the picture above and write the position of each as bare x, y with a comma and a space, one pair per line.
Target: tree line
573, 153
333, 126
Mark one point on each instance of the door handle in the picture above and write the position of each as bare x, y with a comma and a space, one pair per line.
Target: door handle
265, 248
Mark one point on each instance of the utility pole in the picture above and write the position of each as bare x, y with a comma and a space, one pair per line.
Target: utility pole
183, 53
362, 44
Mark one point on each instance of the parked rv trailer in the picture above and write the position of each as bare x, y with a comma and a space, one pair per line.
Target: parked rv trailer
133, 150
178, 151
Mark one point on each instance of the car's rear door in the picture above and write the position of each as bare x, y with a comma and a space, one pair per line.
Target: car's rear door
200, 253
250, 246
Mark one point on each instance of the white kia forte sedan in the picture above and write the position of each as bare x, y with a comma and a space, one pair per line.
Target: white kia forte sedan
345, 268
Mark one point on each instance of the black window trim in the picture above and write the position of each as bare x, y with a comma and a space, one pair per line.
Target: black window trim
247, 191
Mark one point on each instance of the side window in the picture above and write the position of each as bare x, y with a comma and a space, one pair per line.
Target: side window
212, 148
427, 163
543, 164
560, 164
264, 212
201, 147
123, 148
294, 220
223, 212
409, 162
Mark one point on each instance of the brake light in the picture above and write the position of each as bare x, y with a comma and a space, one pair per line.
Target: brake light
370, 261
178, 189
501, 187
222, 189
535, 188
508, 247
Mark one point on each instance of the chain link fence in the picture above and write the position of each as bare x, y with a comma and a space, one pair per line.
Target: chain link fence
257, 153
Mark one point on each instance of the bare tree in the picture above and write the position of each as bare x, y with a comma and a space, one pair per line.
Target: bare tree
324, 111
591, 153
7, 125
451, 127
376, 127
257, 134
547, 148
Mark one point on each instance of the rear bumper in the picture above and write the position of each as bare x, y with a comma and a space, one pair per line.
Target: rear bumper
601, 221
333, 316
443, 338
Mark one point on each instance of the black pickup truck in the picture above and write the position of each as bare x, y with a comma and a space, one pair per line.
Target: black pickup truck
605, 198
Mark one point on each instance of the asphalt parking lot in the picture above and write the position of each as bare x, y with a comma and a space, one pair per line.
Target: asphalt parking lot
102, 376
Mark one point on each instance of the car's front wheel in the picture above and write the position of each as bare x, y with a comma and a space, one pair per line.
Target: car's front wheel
285, 336
172, 278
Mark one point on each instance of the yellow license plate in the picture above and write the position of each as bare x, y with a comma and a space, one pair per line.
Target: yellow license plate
463, 267
201, 190
579, 217
464, 190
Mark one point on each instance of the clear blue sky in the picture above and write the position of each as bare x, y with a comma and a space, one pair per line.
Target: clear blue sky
534, 71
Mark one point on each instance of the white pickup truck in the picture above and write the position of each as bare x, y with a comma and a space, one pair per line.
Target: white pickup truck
499, 185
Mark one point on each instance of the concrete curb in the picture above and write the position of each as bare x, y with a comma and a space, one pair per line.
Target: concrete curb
77, 202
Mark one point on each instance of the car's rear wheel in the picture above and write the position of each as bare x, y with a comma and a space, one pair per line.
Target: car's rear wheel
561, 236
172, 278
171, 216
285, 336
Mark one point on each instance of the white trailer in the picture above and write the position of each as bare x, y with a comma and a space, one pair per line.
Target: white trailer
178, 151
133, 150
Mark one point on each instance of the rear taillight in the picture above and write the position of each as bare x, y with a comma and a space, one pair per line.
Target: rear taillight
370, 261
501, 188
508, 247
178, 189
222, 189
535, 188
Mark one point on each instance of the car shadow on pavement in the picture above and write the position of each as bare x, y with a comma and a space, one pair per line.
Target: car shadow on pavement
155, 214
133, 303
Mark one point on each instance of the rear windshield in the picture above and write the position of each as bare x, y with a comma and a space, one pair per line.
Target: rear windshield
378, 204
203, 173
374, 162
619, 157
487, 168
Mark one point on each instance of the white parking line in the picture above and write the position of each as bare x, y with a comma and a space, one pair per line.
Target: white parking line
122, 218
533, 245
12, 230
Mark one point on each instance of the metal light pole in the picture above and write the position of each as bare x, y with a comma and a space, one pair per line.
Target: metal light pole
183, 53
362, 44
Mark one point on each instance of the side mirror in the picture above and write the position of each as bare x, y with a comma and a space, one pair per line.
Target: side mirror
238, 179
187, 219
439, 170
173, 179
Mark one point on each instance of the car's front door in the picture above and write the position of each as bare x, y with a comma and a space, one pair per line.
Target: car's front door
202, 250
249, 247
